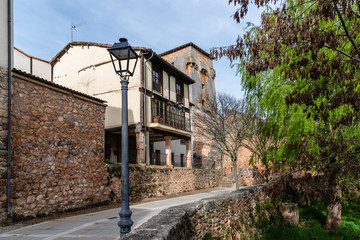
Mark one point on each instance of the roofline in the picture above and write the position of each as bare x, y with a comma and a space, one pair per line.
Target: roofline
148, 52
190, 44
24, 75
144, 50
30, 55
54, 60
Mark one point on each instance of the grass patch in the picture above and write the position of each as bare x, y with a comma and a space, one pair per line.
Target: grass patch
314, 217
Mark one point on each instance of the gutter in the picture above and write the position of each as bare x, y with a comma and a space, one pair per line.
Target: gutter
9, 106
147, 161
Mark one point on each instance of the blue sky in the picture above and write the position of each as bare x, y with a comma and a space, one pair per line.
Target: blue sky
43, 27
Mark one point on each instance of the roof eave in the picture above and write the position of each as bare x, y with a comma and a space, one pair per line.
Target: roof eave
39, 79
190, 44
176, 72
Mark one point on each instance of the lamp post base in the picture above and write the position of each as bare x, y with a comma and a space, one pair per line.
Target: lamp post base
125, 222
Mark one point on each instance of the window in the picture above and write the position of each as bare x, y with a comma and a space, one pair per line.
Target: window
179, 91
182, 160
157, 79
157, 157
204, 77
158, 108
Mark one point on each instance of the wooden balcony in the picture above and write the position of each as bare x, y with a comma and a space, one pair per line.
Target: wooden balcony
170, 116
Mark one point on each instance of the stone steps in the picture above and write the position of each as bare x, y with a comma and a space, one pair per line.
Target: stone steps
227, 181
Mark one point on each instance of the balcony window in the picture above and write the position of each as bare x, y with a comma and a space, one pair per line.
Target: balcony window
179, 92
170, 115
157, 79
158, 108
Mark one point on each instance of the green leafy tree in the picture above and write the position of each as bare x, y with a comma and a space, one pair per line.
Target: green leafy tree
261, 144
301, 68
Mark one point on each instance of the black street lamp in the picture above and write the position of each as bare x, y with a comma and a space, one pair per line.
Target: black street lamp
124, 59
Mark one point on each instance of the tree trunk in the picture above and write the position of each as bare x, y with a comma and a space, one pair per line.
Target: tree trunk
333, 217
236, 174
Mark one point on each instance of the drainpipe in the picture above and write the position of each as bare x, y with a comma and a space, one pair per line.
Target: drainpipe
147, 161
9, 105
52, 73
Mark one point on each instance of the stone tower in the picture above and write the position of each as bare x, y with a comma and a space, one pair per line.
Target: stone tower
197, 64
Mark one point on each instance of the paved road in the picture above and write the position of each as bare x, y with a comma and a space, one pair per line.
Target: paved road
100, 225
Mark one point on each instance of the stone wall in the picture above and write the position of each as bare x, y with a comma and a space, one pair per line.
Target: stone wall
3, 140
230, 216
155, 181
249, 176
205, 156
240, 214
58, 142
243, 161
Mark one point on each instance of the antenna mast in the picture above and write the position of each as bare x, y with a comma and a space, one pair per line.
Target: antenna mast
73, 27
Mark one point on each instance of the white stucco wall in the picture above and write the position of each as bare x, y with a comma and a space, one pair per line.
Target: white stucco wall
148, 113
186, 96
21, 61
176, 148
4, 34
41, 69
172, 89
88, 69
37, 68
165, 85
149, 75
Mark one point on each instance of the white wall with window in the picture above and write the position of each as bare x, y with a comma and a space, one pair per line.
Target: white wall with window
178, 150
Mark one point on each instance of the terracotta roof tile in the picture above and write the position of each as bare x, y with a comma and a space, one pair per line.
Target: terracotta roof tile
66, 48
190, 44
56, 85
31, 56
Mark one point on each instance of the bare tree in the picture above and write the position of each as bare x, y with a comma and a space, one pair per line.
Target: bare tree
227, 122
262, 143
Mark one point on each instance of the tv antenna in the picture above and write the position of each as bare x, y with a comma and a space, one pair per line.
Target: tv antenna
73, 27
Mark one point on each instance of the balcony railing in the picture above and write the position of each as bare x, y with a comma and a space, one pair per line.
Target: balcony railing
157, 158
170, 116
174, 120
179, 98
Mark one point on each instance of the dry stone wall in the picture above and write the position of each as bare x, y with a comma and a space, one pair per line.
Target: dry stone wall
249, 176
3, 140
58, 142
153, 181
240, 214
230, 216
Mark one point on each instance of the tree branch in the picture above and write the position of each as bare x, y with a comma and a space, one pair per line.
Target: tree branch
355, 13
345, 28
344, 53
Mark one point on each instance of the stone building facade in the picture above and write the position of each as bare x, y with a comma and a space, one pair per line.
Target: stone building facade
58, 142
197, 64
3, 140
6, 46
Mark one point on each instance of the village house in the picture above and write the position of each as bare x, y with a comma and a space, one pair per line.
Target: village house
159, 133
176, 80
62, 119
198, 64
